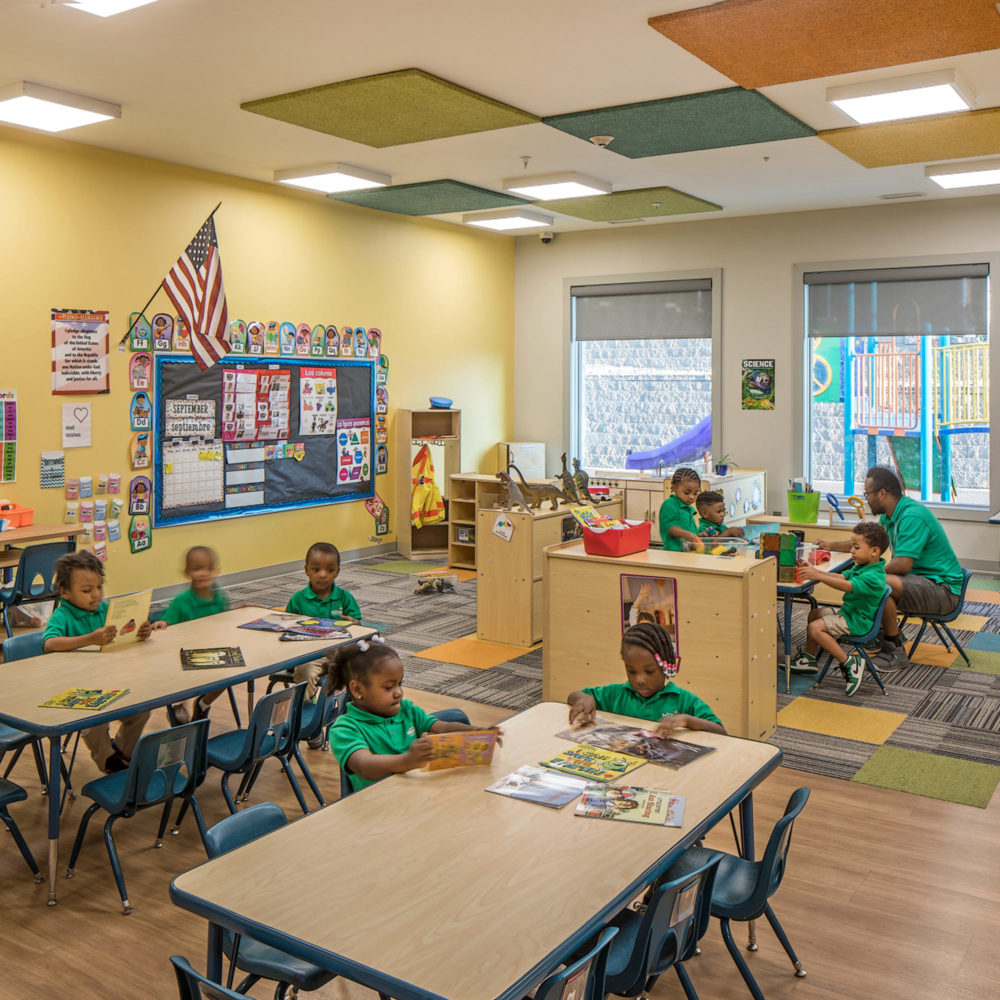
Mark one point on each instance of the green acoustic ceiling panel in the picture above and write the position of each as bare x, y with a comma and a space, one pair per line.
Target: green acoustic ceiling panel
390, 109
710, 120
644, 203
430, 198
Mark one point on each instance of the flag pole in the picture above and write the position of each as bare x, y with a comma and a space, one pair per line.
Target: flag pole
138, 315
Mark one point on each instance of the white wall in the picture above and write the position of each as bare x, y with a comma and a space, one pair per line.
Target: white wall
760, 297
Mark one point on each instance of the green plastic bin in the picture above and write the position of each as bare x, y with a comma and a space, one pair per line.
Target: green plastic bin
803, 508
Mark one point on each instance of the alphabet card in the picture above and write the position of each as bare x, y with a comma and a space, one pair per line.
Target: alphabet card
318, 341
381, 460
255, 338
182, 338
142, 335
286, 339
271, 339
332, 342
382, 370
303, 338
163, 332
139, 367
238, 336
138, 450
360, 342
139, 492
374, 342
140, 412
347, 342
140, 537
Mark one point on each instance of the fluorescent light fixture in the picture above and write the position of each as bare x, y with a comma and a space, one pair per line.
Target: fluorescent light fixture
107, 8
332, 178
903, 97
35, 106
974, 173
502, 219
547, 187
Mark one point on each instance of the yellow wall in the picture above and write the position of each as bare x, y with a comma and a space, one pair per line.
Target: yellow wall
92, 229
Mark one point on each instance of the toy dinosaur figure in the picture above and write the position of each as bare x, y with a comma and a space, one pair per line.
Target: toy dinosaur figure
511, 494
540, 492
581, 477
569, 483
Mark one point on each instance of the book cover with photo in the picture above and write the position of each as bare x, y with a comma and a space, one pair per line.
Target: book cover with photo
207, 659
536, 784
593, 763
644, 743
470, 747
632, 804
88, 699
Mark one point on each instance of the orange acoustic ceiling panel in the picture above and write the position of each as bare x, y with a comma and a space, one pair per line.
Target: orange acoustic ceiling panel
920, 140
759, 43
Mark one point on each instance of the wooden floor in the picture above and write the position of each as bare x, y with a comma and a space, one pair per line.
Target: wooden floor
887, 896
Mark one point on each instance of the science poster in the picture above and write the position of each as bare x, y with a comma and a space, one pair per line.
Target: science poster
758, 384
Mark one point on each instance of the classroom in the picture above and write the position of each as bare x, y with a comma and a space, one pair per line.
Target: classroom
750, 284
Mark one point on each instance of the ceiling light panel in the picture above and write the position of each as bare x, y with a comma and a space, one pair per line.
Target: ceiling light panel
332, 178
903, 97
546, 187
34, 106
961, 175
107, 8
505, 219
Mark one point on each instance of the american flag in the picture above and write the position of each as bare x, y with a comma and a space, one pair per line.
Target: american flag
194, 285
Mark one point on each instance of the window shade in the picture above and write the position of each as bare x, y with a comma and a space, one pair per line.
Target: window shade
643, 310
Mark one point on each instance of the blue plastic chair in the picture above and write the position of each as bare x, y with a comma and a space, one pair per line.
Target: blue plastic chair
742, 888
664, 932
939, 622
272, 732
860, 641
9, 792
589, 967
192, 985
258, 960
165, 766
35, 561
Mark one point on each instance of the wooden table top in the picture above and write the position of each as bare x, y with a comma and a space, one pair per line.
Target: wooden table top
425, 885
151, 670
33, 533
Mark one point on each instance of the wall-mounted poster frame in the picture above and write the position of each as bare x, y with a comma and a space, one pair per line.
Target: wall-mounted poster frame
255, 436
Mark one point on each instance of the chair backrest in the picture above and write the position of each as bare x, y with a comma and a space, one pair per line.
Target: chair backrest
192, 985
582, 979
242, 827
275, 723
39, 561
20, 647
669, 929
966, 577
877, 620
165, 764
315, 716
772, 865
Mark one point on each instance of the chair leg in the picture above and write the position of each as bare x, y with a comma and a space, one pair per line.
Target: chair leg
78, 843
248, 781
116, 865
199, 820
779, 932
307, 774
916, 642
235, 707
164, 820
727, 936
17, 755
22, 846
958, 645
295, 785
226, 793
860, 650
688, 986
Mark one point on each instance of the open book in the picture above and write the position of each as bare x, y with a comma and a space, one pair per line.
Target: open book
127, 612
636, 742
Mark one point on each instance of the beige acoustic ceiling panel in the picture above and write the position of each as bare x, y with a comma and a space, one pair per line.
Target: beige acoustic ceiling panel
625, 206
391, 109
946, 137
759, 43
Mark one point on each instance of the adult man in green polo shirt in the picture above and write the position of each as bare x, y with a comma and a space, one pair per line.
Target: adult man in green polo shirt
924, 573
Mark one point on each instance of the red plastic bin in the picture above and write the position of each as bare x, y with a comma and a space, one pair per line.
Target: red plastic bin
19, 517
617, 541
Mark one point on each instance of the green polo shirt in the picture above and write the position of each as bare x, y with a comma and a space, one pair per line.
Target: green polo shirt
710, 527
622, 699
357, 729
861, 601
337, 603
915, 533
674, 514
187, 606
68, 619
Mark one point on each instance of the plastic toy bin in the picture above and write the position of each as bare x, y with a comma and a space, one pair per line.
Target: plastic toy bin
730, 547
634, 537
803, 508
19, 517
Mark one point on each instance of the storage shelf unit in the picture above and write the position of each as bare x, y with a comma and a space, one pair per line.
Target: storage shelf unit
411, 429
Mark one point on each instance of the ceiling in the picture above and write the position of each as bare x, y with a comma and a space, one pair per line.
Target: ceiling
181, 69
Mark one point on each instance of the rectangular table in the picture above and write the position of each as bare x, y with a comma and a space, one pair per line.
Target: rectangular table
152, 672
425, 886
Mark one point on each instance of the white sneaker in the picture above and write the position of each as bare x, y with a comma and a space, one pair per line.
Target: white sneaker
804, 663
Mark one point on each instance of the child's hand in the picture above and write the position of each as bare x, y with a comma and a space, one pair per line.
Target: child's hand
808, 572
159, 625
668, 723
583, 710
499, 733
145, 630
104, 635
419, 753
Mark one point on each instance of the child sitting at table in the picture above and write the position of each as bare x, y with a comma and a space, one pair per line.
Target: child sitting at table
79, 621
649, 694
711, 507
862, 585
380, 732
677, 512
203, 598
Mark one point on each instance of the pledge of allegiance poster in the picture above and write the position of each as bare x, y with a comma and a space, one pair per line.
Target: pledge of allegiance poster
758, 384
80, 347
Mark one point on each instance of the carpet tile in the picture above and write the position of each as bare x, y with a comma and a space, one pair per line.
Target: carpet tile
470, 651
820, 754
848, 722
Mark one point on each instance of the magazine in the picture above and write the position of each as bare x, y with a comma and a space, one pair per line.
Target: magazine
637, 742
206, 659
471, 746
536, 784
127, 612
89, 699
632, 804
296, 627
593, 763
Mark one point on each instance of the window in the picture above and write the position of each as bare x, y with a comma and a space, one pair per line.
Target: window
900, 376
642, 372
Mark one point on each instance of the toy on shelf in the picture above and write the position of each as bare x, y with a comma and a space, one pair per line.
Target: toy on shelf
581, 477
538, 493
569, 482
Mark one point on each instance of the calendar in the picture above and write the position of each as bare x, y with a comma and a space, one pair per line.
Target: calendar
192, 472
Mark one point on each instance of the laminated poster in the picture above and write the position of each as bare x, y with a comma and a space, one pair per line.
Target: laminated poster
758, 384
318, 401
76, 425
354, 450
8, 436
80, 350
53, 472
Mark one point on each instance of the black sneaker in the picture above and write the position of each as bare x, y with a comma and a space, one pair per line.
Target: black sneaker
317, 742
116, 762
200, 710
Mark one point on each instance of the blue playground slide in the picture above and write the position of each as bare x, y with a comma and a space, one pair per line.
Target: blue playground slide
689, 446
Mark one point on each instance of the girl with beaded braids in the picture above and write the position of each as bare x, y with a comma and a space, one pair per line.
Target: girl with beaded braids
381, 732
649, 694
677, 513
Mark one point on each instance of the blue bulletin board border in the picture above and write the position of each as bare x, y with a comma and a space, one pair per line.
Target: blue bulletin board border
161, 520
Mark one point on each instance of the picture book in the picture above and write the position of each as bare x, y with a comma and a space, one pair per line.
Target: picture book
473, 746
218, 656
536, 784
637, 742
89, 699
127, 612
632, 805
593, 763
295, 627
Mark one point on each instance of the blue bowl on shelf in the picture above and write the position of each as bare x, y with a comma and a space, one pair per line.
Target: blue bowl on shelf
440, 403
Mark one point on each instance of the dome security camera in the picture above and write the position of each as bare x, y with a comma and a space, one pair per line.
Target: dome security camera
547, 237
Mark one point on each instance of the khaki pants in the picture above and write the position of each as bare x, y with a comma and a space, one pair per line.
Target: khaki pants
98, 738
314, 672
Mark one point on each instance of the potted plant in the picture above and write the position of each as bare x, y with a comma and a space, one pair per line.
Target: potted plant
722, 466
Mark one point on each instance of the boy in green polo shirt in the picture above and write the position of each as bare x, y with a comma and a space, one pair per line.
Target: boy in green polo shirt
711, 507
649, 694
676, 518
862, 585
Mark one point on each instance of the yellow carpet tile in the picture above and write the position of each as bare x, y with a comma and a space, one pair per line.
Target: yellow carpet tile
470, 651
848, 722
970, 623
933, 654
983, 596
470, 574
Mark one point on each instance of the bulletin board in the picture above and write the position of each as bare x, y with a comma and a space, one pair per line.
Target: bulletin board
253, 437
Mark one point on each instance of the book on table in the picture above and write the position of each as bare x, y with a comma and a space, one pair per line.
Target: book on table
644, 743
537, 784
87, 699
632, 804
469, 747
295, 627
593, 763
127, 613
216, 656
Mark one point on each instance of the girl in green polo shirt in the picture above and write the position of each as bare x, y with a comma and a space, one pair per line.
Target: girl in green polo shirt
677, 512
649, 694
